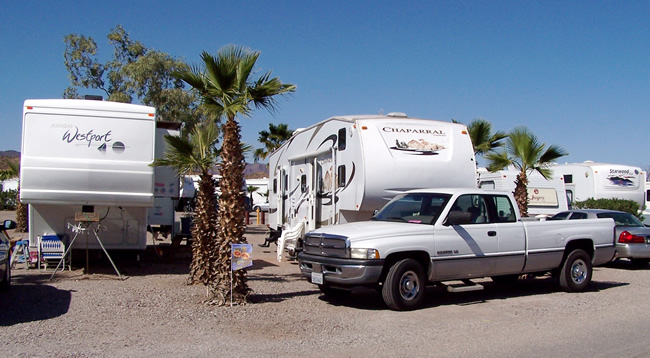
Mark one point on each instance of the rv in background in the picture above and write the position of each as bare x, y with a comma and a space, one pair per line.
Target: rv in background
260, 196
646, 210
602, 181
342, 169
162, 215
84, 156
545, 197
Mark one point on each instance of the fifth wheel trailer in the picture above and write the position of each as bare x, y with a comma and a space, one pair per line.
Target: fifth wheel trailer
344, 168
91, 156
602, 181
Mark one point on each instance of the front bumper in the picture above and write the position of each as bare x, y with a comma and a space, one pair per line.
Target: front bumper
341, 272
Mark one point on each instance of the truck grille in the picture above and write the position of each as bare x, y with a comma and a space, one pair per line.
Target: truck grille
326, 245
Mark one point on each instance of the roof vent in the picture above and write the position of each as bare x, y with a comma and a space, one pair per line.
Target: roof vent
397, 114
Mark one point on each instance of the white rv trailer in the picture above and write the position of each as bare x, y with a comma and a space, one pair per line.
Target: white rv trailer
260, 199
162, 215
646, 210
83, 155
602, 181
342, 169
545, 197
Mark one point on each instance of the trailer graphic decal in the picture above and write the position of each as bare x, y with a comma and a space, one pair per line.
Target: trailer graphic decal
415, 141
89, 137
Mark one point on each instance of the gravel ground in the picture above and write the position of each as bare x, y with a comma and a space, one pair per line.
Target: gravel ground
154, 313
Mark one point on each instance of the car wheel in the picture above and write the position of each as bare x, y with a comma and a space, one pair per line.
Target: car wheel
576, 271
334, 293
640, 263
256, 208
404, 286
6, 280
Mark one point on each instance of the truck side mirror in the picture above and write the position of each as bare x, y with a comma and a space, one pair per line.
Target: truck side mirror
456, 217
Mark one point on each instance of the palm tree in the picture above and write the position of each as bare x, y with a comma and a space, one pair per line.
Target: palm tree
227, 90
22, 212
272, 140
197, 153
483, 140
524, 151
251, 189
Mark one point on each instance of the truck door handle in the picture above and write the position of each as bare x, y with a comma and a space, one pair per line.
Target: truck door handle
492, 233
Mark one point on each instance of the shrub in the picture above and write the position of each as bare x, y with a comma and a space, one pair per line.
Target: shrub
8, 199
628, 206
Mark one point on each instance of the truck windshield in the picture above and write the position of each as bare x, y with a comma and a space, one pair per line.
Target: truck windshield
416, 208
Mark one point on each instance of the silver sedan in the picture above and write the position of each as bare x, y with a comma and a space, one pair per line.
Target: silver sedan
632, 237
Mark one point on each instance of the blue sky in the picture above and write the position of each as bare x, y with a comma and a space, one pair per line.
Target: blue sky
576, 73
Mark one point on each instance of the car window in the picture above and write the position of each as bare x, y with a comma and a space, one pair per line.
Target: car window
504, 210
622, 219
415, 208
474, 206
560, 216
578, 216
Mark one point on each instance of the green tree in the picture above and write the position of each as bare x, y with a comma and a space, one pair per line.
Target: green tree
524, 151
272, 140
197, 153
483, 140
227, 89
22, 212
134, 72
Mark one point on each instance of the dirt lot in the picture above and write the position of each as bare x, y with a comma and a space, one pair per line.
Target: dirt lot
153, 312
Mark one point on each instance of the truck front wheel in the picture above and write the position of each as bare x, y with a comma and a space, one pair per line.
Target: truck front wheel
404, 286
576, 271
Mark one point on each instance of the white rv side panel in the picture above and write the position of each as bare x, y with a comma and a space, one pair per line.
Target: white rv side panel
87, 152
603, 181
402, 154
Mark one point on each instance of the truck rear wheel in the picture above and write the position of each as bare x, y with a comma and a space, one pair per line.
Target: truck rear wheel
576, 271
404, 286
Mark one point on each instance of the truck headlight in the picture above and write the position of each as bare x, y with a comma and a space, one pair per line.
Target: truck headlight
364, 254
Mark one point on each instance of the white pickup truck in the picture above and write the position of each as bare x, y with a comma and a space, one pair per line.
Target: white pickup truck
433, 236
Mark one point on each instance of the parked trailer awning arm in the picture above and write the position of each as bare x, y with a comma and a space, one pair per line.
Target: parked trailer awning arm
311, 154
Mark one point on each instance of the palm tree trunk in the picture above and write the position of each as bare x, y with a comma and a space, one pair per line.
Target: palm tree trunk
204, 232
22, 214
521, 193
231, 216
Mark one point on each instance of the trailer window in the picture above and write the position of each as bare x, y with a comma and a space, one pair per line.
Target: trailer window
275, 186
342, 139
303, 183
341, 176
568, 178
487, 185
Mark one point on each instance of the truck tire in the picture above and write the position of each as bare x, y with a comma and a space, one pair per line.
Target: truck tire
404, 286
575, 274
